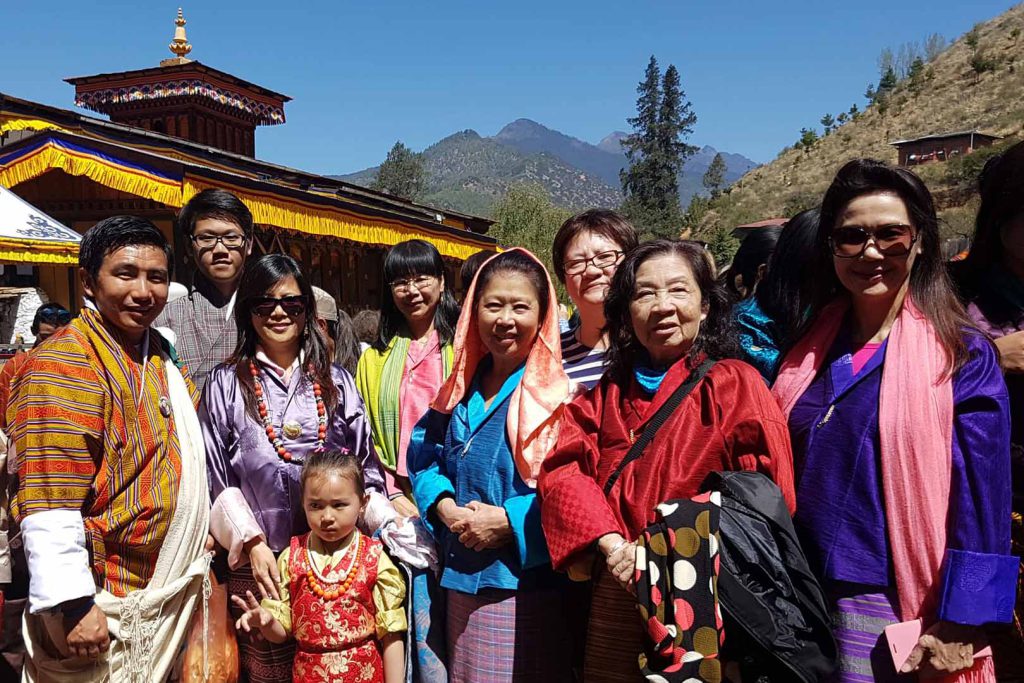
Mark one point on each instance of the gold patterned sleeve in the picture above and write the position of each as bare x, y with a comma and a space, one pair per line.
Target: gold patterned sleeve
281, 609
388, 598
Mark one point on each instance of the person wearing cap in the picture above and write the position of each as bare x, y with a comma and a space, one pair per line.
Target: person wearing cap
327, 319
220, 229
339, 332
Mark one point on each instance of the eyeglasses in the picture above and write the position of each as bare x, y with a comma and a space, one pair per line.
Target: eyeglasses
405, 285
232, 241
606, 259
850, 241
293, 306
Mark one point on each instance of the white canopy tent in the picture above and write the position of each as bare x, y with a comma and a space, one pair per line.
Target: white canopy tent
30, 237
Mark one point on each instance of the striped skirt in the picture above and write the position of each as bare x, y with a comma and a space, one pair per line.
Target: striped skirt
858, 620
500, 635
262, 661
858, 623
615, 636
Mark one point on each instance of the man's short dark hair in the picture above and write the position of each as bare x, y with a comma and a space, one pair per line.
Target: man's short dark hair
50, 314
118, 232
219, 204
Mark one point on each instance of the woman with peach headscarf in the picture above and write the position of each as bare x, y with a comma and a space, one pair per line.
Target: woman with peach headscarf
474, 461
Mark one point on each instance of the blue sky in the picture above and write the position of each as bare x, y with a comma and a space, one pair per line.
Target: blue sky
364, 74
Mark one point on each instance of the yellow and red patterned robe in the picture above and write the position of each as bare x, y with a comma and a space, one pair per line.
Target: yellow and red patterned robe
83, 444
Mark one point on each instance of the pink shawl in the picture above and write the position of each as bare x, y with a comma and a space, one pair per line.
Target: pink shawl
536, 404
915, 424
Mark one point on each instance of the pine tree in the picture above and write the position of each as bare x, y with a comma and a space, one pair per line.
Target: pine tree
714, 178
808, 138
828, 121
887, 82
641, 145
656, 151
402, 173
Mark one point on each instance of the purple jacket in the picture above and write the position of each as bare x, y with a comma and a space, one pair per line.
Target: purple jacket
840, 508
239, 454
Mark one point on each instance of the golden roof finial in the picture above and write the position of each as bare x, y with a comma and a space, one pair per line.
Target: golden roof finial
180, 45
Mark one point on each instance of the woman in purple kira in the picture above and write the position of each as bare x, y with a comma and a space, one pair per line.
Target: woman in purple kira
277, 399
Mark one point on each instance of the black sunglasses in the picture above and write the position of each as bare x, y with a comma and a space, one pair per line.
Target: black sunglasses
890, 240
293, 306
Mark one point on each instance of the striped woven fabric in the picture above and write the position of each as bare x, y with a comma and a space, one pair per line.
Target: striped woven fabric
615, 637
500, 635
85, 442
858, 621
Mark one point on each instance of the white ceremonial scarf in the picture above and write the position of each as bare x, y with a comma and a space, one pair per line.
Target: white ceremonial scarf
148, 626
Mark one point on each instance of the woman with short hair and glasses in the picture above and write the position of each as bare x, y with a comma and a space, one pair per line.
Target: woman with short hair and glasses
586, 251
275, 401
900, 426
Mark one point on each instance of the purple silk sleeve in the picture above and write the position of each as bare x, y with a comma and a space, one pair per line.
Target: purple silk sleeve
979, 575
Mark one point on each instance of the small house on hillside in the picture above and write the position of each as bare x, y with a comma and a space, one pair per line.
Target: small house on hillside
941, 147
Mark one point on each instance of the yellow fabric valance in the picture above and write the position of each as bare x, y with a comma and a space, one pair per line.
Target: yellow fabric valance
324, 221
104, 170
38, 252
11, 122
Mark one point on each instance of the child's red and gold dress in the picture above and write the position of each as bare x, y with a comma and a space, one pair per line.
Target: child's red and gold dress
338, 606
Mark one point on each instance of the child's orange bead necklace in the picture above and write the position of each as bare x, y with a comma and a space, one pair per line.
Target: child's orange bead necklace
329, 590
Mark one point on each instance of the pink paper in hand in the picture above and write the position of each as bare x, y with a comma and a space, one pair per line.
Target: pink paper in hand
902, 639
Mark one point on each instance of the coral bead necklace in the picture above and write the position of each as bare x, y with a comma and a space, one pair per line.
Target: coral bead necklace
272, 435
329, 590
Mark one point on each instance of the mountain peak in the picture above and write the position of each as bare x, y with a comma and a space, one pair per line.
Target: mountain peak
521, 126
613, 142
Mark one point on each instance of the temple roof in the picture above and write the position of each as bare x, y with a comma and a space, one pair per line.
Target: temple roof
176, 78
172, 157
102, 92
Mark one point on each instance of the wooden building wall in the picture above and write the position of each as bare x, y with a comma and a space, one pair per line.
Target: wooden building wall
349, 271
927, 151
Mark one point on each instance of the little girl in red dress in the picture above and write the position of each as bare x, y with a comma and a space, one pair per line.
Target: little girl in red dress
341, 596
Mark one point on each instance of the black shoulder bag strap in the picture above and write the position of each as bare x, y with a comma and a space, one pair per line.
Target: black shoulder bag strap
656, 422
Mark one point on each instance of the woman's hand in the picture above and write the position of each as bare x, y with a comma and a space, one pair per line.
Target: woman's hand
945, 648
404, 507
88, 636
487, 527
450, 513
1011, 352
264, 568
620, 558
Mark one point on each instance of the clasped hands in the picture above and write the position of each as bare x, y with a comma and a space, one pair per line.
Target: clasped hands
479, 526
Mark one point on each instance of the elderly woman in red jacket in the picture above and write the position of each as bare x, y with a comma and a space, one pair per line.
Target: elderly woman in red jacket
669, 323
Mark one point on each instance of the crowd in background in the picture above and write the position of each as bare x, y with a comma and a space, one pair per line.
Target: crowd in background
806, 465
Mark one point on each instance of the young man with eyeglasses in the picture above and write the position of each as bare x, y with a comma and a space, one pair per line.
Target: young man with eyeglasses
219, 229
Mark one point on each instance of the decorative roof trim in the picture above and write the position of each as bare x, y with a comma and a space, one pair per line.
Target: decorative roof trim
102, 99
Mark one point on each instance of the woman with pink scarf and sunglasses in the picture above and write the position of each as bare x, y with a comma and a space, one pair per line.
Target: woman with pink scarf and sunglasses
900, 426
